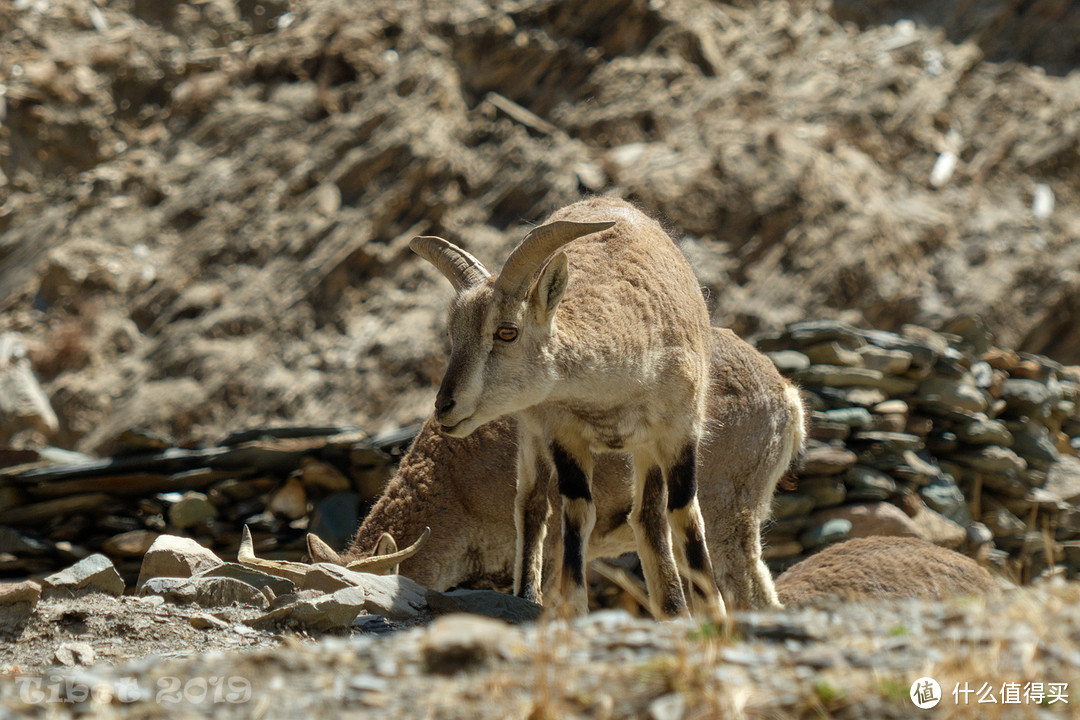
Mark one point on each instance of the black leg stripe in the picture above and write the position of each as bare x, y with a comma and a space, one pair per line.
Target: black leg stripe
682, 479
695, 552
573, 484
573, 562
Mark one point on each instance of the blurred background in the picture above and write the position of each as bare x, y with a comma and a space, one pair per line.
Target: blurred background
205, 206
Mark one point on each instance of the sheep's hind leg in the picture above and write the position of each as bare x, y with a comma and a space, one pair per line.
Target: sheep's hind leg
574, 472
688, 534
531, 510
648, 519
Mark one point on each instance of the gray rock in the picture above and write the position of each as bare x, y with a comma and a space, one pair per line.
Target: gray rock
812, 332
17, 603
893, 362
1063, 479
788, 361
134, 543
457, 643
175, 556
838, 376
827, 431
290, 598
978, 535
984, 431
202, 621
889, 442
393, 596
1026, 397
209, 592
788, 504
94, 574
1004, 484
255, 578
788, 526
488, 603
826, 460
825, 491
163, 587
1000, 520
852, 417
959, 395
329, 577
991, 459
938, 529
832, 353
828, 532
1033, 443
75, 653
841, 397
326, 612
944, 497
223, 592
865, 483
14, 542
194, 508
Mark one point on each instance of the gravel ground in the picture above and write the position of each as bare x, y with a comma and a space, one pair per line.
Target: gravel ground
829, 660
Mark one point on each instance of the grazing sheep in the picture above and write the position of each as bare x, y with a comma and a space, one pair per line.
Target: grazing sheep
463, 490
884, 567
595, 337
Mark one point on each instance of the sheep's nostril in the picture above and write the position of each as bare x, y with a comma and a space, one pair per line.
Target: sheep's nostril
444, 405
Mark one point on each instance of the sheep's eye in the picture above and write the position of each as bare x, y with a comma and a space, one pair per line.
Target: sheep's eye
506, 334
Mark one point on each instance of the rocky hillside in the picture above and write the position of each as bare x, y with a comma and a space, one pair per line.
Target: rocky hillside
205, 207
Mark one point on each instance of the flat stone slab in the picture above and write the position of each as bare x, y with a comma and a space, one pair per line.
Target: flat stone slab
206, 592
327, 612
255, 578
393, 596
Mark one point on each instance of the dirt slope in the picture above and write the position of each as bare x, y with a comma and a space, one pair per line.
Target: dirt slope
205, 208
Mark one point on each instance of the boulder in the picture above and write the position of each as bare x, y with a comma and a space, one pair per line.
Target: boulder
175, 556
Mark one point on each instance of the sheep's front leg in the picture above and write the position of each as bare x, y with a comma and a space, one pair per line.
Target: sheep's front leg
531, 510
688, 533
648, 519
574, 472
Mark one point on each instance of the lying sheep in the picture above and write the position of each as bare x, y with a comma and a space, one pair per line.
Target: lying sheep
595, 338
884, 567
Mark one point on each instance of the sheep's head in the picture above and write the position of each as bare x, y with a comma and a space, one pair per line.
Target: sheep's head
500, 327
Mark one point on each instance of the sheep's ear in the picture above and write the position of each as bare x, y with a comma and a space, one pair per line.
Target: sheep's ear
321, 552
551, 285
386, 545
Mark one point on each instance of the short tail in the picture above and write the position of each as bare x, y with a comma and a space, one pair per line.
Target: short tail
794, 436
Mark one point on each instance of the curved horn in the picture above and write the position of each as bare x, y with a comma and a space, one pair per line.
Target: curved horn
377, 564
279, 568
536, 248
460, 268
